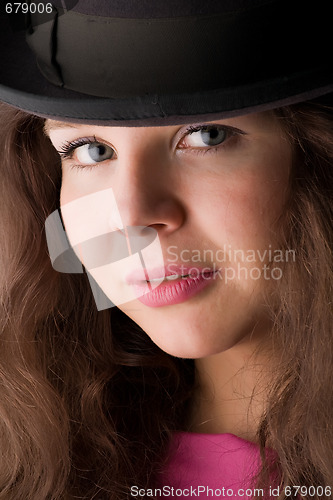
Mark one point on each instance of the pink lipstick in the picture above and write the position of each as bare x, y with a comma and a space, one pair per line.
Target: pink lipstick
173, 288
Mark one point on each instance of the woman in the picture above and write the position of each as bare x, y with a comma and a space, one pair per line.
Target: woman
215, 367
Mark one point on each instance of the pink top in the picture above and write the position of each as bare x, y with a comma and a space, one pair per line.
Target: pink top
210, 466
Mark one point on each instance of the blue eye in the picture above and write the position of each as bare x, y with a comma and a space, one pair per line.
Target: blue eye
209, 138
93, 153
206, 136
198, 139
87, 151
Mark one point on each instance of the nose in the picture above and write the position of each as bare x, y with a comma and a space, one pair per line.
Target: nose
145, 189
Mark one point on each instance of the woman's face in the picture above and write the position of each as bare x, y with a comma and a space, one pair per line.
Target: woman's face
210, 195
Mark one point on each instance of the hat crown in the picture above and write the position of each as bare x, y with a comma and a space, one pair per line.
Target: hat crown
145, 9
124, 57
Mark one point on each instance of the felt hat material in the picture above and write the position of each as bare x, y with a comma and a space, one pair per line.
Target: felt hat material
141, 63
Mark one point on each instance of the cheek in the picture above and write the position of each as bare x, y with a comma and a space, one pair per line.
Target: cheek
73, 186
69, 190
252, 212
251, 203
88, 215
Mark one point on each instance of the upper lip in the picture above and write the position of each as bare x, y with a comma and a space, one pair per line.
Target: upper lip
145, 274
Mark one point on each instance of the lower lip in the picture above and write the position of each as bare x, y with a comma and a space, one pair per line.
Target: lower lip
172, 292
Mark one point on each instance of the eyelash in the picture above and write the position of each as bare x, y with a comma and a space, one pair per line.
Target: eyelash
68, 148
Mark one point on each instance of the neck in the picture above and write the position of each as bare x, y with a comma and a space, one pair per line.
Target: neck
232, 391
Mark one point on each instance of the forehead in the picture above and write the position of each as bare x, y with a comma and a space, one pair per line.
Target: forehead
262, 119
55, 125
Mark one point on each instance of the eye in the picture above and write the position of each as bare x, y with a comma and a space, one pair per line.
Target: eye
93, 153
87, 151
209, 138
202, 136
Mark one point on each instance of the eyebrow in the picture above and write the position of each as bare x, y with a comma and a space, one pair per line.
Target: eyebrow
52, 125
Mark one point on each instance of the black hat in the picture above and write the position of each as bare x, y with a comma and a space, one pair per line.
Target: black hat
160, 62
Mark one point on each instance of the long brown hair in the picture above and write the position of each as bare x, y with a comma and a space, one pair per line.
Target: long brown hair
88, 403
298, 420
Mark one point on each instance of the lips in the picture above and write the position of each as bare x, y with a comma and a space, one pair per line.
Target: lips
173, 289
168, 273
172, 277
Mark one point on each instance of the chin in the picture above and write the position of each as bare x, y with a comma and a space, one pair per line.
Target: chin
187, 332
187, 342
